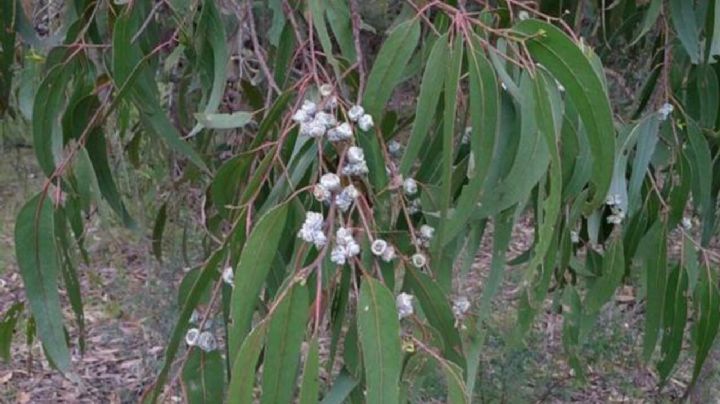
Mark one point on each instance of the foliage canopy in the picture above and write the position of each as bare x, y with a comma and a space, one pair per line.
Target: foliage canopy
333, 210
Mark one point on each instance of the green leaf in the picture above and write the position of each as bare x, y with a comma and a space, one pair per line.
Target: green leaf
240, 386
278, 22
389, 64
430, 88
674, 318
214, 52
529, 164
714, 33
548, 116
212, 62
680, 193
651, 15
567, 63
457, 392
384, 76
223, 121
690, 261
646, 143
203, 377
282, 351
682, 14
338, 15
577, 160
379, 333
227, 183
7, 329
132, 74
87, 183
708, 96
36, 254
49, 103
702, 182
342, 386
613, 269
485, 117
572, 318
309, 388
158, 230
438, 312
452, 79
7, 50
199, 287
317, 13
501, 240
69, 272
707, 309
252, 269
97, 150
652, 257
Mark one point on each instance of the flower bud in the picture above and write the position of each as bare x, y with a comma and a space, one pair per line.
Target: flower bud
330, 181
365, 123
419, 260
191, 337
378, 247
228, 276
410, 186
355, 112
404, 303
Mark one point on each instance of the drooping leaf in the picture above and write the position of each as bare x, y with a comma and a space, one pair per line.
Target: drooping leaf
338, 15
438, 312
317, 13
714, 34
702, 183
188, 303
646, 143
379, 335
70, 277
430, 88
707, 309
252, 269
36, 252
501, 240
48, 106
203, 377
485, 104
457, 391
342, 386
133, 75
309, 388
682, 14
7, 329
240, 386
282, 352
87, 185
389, 64
674, 318
223, 121
652, 257
651, 15
528, 165
548, 117
452, 79
213, 54
569, 65
7, 50
603, 288
158, 230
